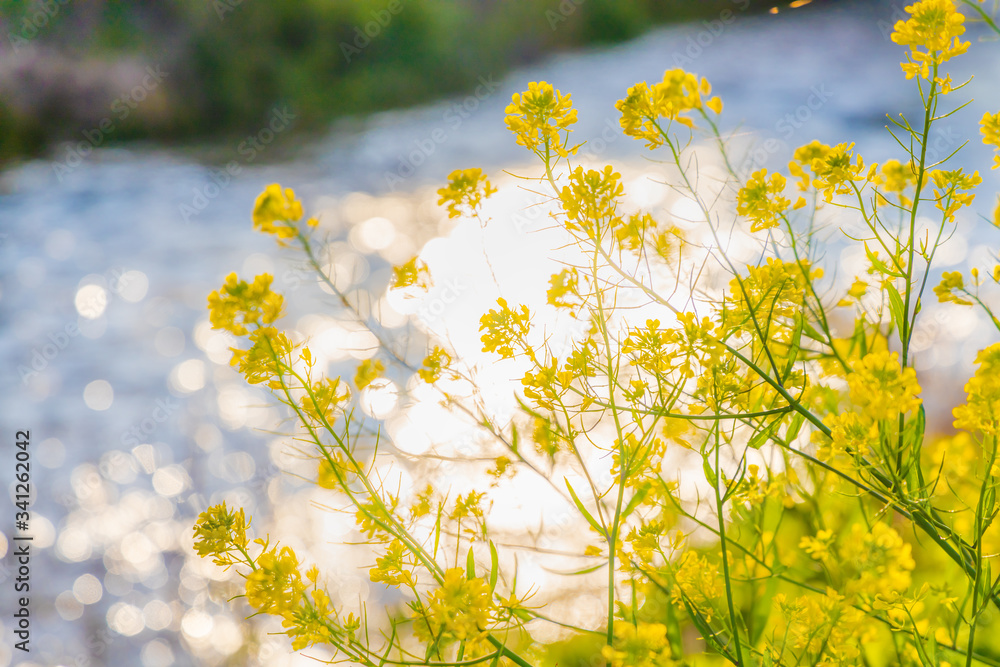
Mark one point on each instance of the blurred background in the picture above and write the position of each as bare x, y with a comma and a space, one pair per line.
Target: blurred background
134, 138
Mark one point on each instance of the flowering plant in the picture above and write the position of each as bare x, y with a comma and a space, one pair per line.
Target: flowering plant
745, 445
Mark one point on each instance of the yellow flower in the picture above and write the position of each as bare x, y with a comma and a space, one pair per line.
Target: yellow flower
323, 397
413, 272
947, 195
538, 116
276, 585
989, 126
591, 199
239, 303
312, 623
804, 158
760, 200
897, 177
368, 371
459, 610
640, 645
835, 172
434, 364
503, 329
952, 284
394, 568
881, 388
466, 190
818, 547
332, 475
270, 350
857, 290
880, 559
981, 411
277, 205
218, 531
853, 433
934, 25
564, 289
697, 583
678, 93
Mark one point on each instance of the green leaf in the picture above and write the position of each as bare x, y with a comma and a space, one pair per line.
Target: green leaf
764, 435
470, 565
794, 426
896, 307
637, 498
494, 566
583, 510
710, 475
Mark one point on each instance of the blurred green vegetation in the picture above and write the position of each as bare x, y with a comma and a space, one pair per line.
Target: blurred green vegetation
229, 62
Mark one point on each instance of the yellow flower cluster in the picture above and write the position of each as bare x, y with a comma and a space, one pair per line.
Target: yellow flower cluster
539, 116
459, 610
465, 192
368, 371
413, 272
590, 200
221, 533
504, 328
395, 567
274, 584
697, 584
639, 645
880, 560
881, 389
934, 25
269, 350
854, 433
678, 93
989, 127
434, 365
278, 212
239, 303
947, 195
981, 411
894, 176
951, 288
838, 170
323, 397
819, 627
762, 202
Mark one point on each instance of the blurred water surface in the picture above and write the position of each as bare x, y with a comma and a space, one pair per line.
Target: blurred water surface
137, 422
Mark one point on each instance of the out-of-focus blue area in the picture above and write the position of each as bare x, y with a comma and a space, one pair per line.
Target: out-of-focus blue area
137, 422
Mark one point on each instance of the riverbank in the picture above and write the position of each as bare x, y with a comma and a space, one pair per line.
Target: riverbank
187, 72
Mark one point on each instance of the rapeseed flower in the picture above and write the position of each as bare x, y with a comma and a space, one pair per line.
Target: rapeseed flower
239, 303
538, 117
465, 192
934, 25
